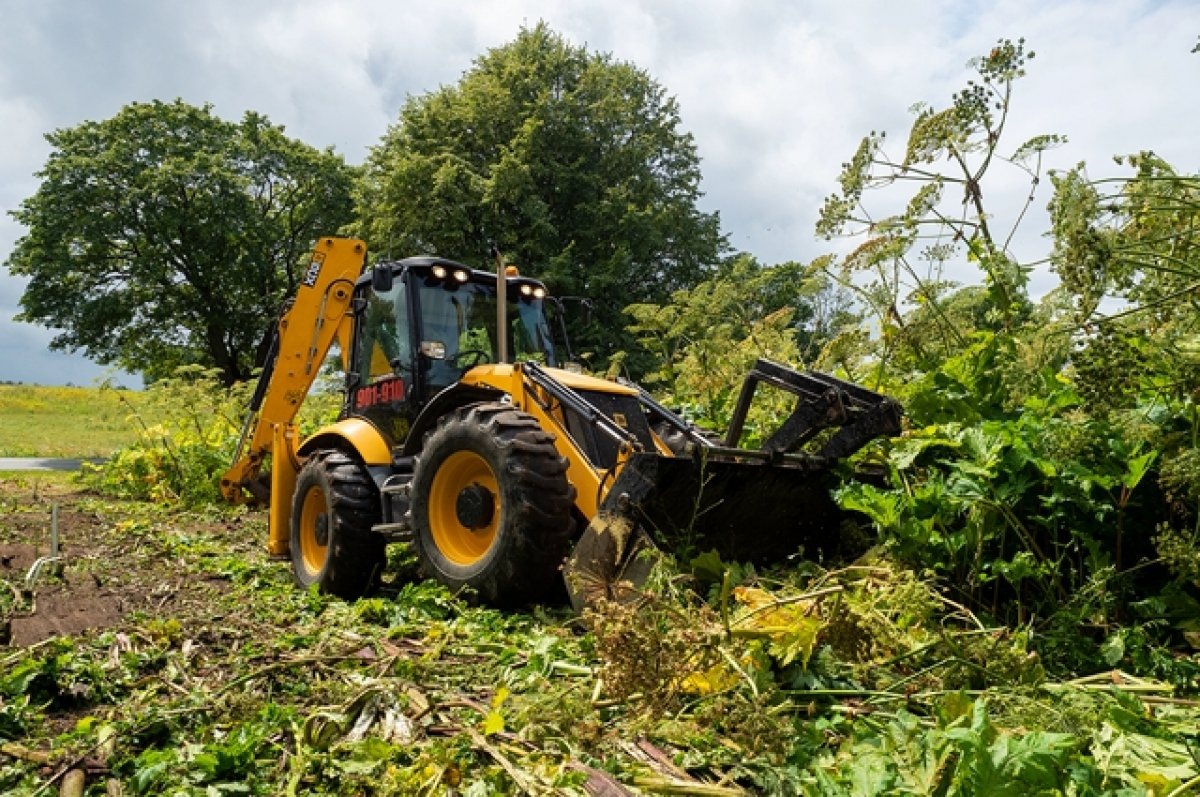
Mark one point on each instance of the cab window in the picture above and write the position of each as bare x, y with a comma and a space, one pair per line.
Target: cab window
384, 349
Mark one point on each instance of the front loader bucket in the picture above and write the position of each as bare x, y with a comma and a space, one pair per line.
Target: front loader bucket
750, 506
749, 510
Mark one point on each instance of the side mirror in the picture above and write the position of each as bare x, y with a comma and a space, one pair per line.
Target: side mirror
433, 349
381, 278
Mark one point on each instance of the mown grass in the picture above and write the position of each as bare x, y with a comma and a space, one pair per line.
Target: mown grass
226, 679
871, 678
39, 421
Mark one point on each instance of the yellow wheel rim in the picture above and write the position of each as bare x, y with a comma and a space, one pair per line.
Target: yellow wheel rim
314, 534
461, 544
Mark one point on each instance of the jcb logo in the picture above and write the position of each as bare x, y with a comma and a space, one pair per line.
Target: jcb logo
314, 269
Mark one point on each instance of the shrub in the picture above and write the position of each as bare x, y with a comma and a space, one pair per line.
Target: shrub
189, 426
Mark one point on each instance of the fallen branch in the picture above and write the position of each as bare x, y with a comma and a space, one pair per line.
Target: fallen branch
668, 766
8, 661
73, 784
599, 783
1168, 701
1120, 680
660, 785
669, 778
14, 750
282, 665
18, 598
1185, 787
104, 741
791, 599
526, 784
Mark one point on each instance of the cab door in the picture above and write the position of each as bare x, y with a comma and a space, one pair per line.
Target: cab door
383, 364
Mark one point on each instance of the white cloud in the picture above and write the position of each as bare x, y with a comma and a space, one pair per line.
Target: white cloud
776, 92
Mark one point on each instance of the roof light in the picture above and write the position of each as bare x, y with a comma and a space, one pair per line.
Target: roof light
511, 271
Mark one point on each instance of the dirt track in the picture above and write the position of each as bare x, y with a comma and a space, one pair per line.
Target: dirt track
39, 463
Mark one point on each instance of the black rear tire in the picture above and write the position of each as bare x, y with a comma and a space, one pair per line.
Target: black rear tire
491, 505
334, 507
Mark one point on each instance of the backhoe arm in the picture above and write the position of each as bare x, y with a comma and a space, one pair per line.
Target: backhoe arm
315, 318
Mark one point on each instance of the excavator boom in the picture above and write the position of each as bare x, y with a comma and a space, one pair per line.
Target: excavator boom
301, 341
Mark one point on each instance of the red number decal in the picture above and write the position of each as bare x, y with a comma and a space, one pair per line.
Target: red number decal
381, 392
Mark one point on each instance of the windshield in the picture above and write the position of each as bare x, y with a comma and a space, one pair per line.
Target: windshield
458, 328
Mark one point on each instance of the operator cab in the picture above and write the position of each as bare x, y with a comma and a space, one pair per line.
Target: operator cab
421, 323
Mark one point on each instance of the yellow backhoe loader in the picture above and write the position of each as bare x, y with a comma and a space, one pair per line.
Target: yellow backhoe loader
461, 435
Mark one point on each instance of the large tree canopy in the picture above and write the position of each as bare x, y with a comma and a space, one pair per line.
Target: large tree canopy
572, 163
167, 236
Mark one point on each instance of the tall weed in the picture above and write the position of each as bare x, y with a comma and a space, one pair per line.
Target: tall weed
1022, 507
188, 428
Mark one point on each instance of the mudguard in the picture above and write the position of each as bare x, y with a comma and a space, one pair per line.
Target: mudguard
352, 434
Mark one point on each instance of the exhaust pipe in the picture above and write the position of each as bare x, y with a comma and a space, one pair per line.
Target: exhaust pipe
501, 306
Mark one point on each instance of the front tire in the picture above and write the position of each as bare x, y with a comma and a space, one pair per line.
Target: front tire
335, 505
491, 506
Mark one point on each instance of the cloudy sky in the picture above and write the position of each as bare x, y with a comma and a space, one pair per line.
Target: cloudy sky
776, 92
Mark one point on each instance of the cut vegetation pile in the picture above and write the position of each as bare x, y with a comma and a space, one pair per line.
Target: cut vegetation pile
212, 674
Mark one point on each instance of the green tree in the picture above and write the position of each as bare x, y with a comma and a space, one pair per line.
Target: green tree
167, 236
571, 162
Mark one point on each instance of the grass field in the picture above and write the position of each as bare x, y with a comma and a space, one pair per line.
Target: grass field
38, 421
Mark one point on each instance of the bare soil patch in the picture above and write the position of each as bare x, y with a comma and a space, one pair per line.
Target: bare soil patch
107, 568
65, 611
15, 560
